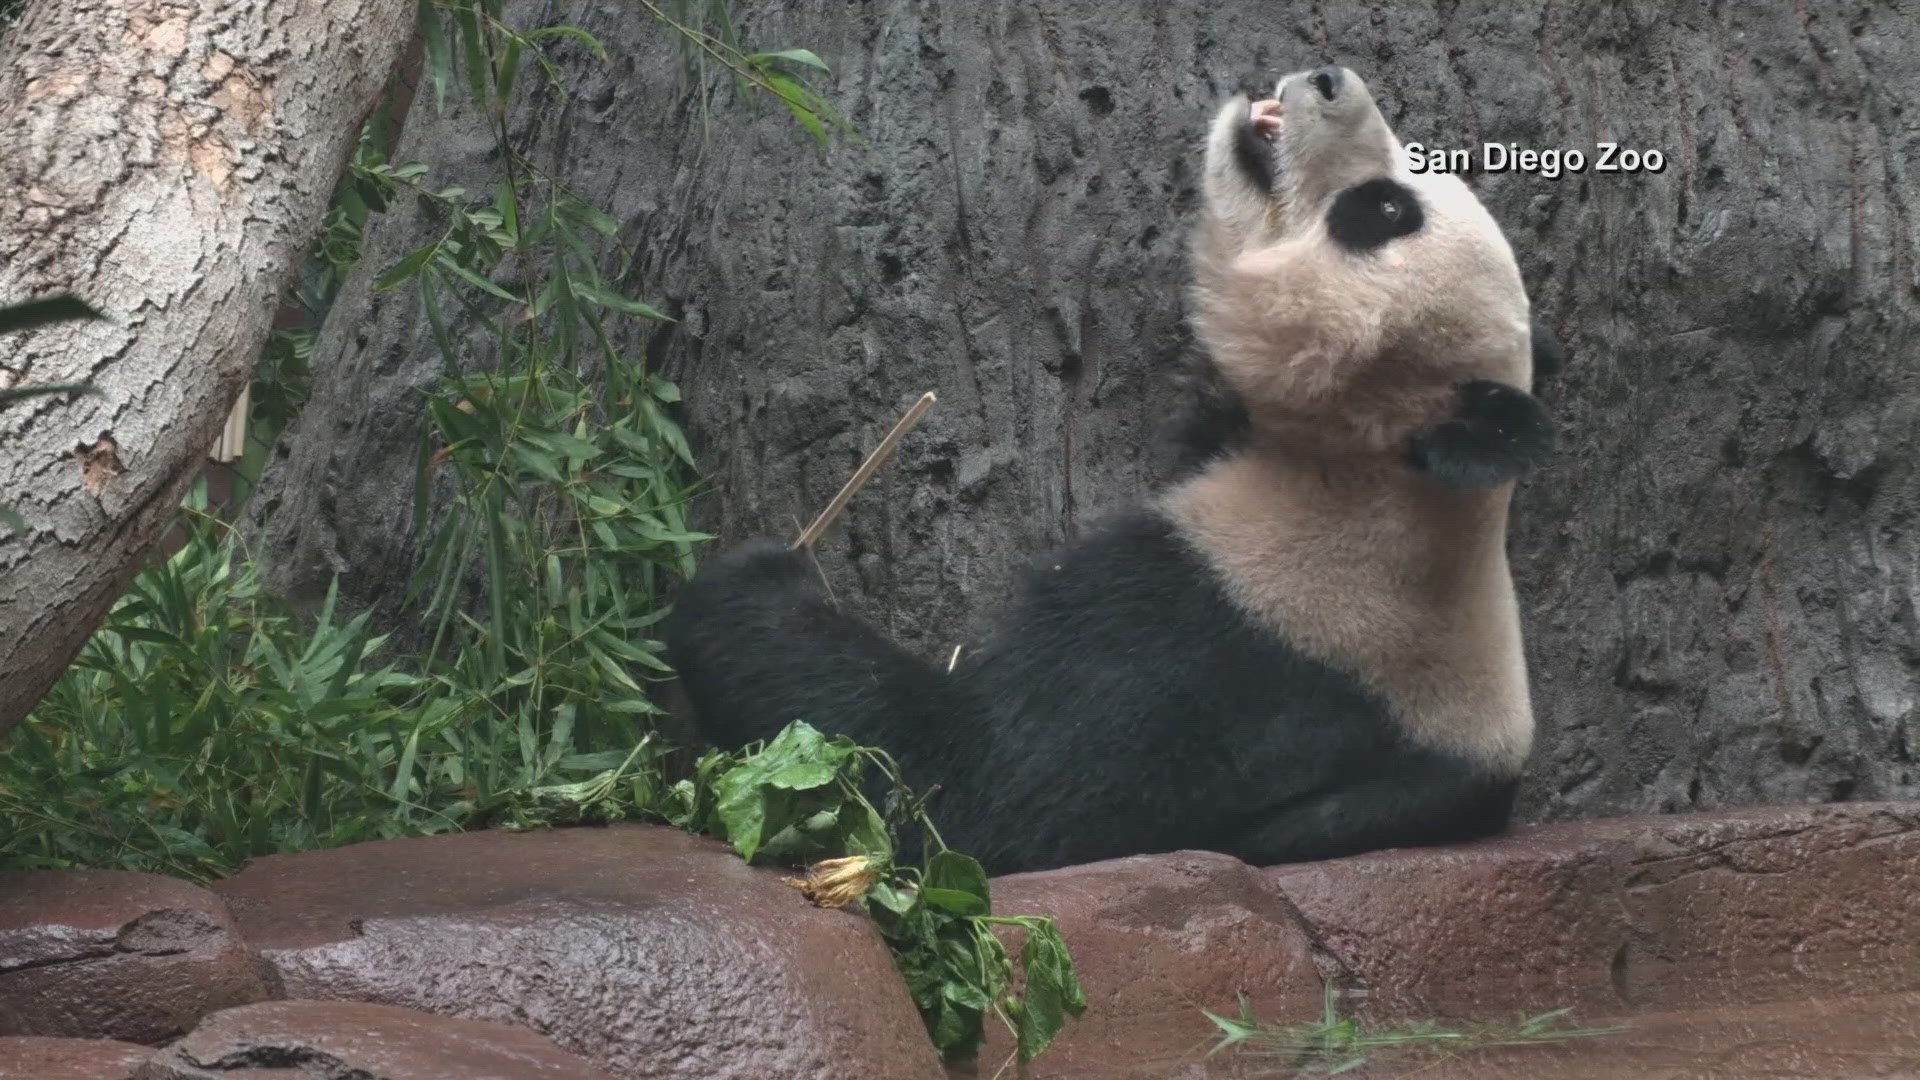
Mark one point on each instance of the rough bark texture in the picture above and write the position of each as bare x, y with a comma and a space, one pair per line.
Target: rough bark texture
169, 161
1718, 573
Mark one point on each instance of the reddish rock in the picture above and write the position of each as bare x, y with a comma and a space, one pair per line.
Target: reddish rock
1731, 908
113, 954
29, 1057
650, 952
1763, 943
329, 1040
1157, 939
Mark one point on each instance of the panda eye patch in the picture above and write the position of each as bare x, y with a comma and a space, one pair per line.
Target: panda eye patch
1367, 215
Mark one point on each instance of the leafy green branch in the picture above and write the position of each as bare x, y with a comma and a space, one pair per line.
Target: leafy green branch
803, 798
770, 72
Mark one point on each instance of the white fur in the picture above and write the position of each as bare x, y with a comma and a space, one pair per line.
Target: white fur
1320, 527
1315, 337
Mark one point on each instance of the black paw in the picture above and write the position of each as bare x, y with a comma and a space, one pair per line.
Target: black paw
1214, 421
1498, 433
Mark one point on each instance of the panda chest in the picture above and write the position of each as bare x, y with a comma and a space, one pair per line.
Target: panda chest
1423, 618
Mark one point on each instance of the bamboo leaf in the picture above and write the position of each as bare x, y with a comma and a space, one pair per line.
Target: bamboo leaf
476, 280
408, 266
439, 59
596, 295
573, 32
797, 56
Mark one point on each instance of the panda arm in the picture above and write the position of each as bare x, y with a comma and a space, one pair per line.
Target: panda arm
1413, 797
1497, 433
1131, 707
757, 644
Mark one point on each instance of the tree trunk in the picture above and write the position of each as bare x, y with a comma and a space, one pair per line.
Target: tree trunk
1720, 573
169, 161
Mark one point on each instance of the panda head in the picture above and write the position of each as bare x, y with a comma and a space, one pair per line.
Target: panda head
1343, 298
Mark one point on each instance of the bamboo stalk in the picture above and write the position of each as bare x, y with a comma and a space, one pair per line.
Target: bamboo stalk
861, 475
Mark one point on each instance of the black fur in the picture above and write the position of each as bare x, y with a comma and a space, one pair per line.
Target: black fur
1547, 357
1214, 423
1327, 81
1123, 706
1255, 154
1497, 434
1368, 214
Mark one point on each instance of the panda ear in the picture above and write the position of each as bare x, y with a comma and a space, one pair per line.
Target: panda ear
1547, 356
1498, 433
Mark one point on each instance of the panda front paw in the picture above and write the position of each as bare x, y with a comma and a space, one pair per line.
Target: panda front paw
1498, 433
1255, 128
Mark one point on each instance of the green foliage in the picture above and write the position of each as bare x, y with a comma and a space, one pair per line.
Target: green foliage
804, 796
1338, 1044
281, 376
798, 800
631, 789
567, 478
542, 574
203, 725
705, 28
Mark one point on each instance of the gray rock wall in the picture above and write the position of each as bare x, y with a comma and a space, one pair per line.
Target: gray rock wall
1720, 573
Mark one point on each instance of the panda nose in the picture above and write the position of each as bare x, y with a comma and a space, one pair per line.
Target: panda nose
1327, 81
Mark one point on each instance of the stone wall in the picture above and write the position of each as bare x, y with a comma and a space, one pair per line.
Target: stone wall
1719, 573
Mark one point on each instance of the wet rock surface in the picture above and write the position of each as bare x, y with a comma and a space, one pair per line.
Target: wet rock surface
1156, 938
31, 1057
1733, 908
113, 954
1762, 943
1765, 943
339, 1040
647, 951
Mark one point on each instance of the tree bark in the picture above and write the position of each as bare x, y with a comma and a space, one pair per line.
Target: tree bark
1720, 573
169, 161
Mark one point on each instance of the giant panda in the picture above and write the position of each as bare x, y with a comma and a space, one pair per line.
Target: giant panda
1304, 646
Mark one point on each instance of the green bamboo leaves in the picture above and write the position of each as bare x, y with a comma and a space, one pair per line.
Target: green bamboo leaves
804, 796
